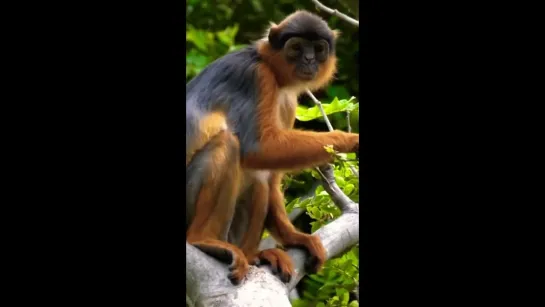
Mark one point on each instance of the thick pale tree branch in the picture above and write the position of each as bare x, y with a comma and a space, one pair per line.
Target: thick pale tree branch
207, 283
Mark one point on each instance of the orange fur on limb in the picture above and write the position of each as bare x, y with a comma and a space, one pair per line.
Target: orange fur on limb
284, 232
257, 212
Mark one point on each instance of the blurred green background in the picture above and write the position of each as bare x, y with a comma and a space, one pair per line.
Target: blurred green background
214, 28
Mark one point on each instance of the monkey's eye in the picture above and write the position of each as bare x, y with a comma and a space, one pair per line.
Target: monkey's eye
319, 48
296, 47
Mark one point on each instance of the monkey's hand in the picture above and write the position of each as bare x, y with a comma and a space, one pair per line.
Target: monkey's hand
350, 142
314, 247
279, 260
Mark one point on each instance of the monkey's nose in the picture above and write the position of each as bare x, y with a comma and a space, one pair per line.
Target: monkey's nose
309, 58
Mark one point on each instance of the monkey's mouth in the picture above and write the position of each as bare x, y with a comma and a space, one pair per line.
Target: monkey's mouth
306, 73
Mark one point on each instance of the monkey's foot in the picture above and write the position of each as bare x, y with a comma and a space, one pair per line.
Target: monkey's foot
279, 260
227, 253
238, 269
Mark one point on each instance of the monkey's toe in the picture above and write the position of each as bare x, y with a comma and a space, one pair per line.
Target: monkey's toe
238, 270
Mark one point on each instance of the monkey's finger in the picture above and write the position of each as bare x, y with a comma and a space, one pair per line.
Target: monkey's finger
235, 278
313, 264
285, 277
272, 260
256, 261
237, 274
285, 273
274, 268
310, 265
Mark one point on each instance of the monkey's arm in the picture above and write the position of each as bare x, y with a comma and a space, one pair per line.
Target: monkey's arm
295, 149
282, 148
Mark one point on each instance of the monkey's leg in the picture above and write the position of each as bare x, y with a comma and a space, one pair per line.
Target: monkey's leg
253, 222
284, 232
218, 165
295, 149
257, 212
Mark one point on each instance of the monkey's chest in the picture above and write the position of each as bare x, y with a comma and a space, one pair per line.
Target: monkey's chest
286, 110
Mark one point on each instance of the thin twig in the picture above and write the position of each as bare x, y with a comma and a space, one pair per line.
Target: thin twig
350, 20
348, 121
319, 104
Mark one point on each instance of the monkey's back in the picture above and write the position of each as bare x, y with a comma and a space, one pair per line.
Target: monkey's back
227, 86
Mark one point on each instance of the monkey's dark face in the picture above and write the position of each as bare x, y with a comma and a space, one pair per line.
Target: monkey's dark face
306, 55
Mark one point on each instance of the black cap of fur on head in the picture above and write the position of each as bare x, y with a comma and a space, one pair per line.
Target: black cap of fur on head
301, 24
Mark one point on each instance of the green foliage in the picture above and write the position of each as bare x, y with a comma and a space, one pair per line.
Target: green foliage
343, 105
208, 46
217, 27
339, 277
333, 284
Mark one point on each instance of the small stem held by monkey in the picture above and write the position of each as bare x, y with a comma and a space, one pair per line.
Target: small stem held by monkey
319, 104
348, 121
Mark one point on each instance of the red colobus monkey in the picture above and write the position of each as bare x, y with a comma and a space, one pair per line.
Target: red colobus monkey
240, 111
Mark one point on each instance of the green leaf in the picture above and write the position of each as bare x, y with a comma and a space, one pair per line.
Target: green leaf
201, 39
347, 265
329, 149
227, 36
319, 190
316, 278
300, 303
307, 114
309, 295
292, 204
340, 181
348, 189
238, 47
343, 295
337, 91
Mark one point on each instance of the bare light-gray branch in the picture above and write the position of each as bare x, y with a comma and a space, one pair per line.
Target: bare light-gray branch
342, 16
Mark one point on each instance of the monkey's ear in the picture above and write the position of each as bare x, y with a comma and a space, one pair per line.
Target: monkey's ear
336, 34
274, 30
